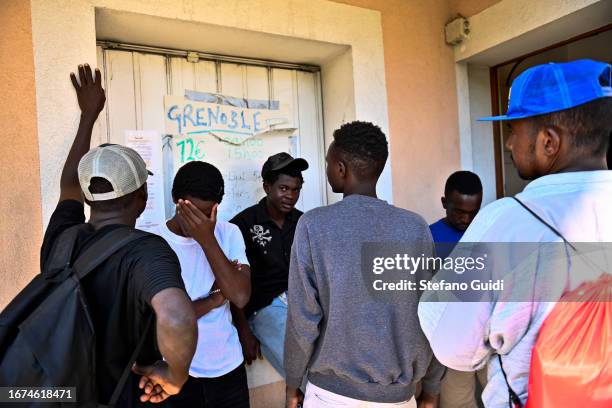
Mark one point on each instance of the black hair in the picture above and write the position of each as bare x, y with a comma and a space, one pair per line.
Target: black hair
463, 182
589, 125
272, 176
199, 180
363, 146
99, 185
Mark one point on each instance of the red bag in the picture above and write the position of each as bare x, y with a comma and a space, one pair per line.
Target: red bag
571, 363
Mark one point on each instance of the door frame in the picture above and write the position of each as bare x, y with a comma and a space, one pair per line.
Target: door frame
495, 98
196, 56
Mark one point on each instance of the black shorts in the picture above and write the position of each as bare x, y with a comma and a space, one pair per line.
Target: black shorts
228, 391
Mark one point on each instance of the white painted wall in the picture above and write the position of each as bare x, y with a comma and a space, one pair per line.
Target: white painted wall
476, 138
334, 84
512, 28
482, 154
465, 119
353, 81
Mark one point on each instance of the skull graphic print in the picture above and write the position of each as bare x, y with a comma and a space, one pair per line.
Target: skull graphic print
260, 235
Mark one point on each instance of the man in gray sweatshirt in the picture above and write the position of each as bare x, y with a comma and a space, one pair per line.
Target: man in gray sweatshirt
360, 349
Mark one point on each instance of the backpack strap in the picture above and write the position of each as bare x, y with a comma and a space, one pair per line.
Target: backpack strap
128, 368
102, 249
513, 398
543, 221
57, 265
89, 260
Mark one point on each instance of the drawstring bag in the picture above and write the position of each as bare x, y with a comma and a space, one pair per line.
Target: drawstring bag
571, 363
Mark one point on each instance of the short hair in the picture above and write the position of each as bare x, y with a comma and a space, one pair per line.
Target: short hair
99, 185
589, 125
463, 182
364, 147
272, 176
198, 179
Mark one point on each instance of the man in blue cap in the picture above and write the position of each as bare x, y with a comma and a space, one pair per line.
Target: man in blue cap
560, 116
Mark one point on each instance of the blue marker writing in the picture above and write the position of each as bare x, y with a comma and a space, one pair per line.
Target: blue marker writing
176, 118
255, 122
234, 120
213, 116
200, 117
244, 124
187, 110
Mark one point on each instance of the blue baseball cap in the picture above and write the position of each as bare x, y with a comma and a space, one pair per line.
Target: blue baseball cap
555, 87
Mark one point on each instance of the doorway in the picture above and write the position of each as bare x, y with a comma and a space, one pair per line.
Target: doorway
137, 78
593, 45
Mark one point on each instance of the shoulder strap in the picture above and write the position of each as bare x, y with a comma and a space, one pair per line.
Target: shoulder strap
58, 260
91, 258
101, 250
128, 368
513, 398
543, 221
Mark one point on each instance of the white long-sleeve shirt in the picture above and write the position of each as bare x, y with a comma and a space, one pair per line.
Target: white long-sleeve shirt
466, 336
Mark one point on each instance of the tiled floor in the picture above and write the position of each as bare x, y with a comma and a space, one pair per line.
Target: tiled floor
268, 396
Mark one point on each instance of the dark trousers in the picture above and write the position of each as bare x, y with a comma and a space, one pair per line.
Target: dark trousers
228, 391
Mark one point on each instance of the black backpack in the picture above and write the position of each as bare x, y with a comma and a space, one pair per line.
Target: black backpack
47, 338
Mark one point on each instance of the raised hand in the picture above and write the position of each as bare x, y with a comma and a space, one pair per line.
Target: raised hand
89, 90
91, 101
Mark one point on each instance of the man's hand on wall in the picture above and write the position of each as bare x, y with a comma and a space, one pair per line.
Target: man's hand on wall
91, 101
89, 91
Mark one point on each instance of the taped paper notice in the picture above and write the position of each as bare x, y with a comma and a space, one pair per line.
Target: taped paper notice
148, 144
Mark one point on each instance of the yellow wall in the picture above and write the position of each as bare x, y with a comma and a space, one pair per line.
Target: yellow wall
422, 100
20, 202
468, 8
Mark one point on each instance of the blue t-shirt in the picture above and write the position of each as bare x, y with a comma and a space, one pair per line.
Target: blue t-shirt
445, 237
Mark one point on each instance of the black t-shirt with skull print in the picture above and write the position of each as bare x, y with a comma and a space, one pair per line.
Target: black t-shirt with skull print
268, 249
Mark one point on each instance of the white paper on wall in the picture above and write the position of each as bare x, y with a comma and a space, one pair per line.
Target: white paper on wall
148, 144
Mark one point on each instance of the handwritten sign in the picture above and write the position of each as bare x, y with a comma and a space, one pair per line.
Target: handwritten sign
235, 134
204, 147
229, 123
240, 164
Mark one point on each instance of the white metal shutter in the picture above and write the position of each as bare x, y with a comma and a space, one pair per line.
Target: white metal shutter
136, 83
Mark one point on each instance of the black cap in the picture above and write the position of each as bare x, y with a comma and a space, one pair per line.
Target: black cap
281, 161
